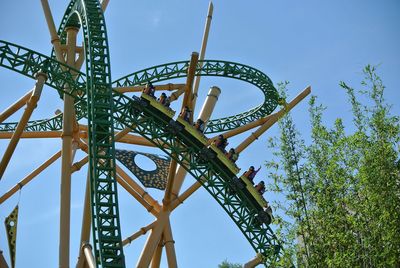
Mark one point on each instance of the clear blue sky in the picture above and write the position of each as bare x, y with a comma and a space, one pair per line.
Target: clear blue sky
317, 43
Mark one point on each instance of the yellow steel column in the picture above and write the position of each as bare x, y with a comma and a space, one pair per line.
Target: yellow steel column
180, 199
274, 118
202, 51
138, 197
156, 260
145, 195
55, 40
254, 262
136, 140
209, 104
244, 128
170, 183
104, 4
169, 87
142, 231
187, 98
28, 178
31, 105
153, 240
205, 113
169, 246
33, 134
68, 117
15, 107
86, 222
87, 251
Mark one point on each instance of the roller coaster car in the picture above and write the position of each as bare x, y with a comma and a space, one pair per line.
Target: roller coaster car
224, 159
235, 185
206, 154
139, 103
263, 216
263, 211
192, 130
257, 196
173, 127
153, 102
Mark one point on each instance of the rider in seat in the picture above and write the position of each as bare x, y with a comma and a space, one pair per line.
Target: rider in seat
251, 173
186, 114
199, 125
232, 155
162, 99
260, 187
221, 143
149, 90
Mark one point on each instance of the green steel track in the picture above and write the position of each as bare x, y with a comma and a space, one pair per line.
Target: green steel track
171, 71
108, 110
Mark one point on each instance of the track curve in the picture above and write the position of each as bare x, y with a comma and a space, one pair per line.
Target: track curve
158, 73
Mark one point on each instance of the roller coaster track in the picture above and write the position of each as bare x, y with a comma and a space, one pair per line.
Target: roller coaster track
108, 110
157, 74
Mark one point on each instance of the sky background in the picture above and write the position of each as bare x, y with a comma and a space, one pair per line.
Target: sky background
317, 43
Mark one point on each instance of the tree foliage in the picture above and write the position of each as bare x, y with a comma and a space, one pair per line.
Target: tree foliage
342, 191
226, 264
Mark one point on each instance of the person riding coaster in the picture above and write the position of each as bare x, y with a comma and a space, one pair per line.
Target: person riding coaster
199, 125
149, 90
164, 100
232, 155
260, 187
186, 114
251, 173
221, 143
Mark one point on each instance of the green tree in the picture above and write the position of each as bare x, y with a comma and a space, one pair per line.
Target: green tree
289, 178
226, 264
342, 191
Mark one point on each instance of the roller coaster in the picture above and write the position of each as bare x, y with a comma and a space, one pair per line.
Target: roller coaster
98, 113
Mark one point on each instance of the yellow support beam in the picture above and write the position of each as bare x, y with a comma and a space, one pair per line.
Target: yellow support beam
242, 129
15, 106
142, 231
153, 240
31, 105
33, 134
167, 87
272, 120
138, 197
170, 183
156, 260
254, 262
136, 140
29, 177
104, 4
86, 223
202, 52
55, 39
187, 98
169, 246
88, 252
67, 137
205, 114
185, 195
145, 195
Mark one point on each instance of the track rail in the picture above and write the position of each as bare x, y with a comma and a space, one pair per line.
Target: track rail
100, 108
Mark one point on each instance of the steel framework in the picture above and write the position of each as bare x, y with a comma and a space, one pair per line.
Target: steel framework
108, 111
